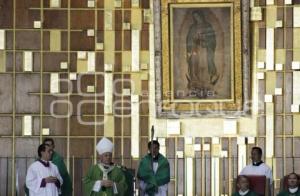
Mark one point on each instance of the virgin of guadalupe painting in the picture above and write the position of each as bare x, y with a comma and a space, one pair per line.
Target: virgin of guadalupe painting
201, 52
202, 57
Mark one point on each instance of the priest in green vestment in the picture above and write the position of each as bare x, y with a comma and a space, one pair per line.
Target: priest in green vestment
293, 186
154, 172
104, 179
243, 185
66, 189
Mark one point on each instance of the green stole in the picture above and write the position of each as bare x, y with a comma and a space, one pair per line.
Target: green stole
66, 189
154, 180
96, 173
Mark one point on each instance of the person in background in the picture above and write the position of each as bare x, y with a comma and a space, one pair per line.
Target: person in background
105, 178
66, 189
43, 178
258, 167
154, 172
243, 185
293, 186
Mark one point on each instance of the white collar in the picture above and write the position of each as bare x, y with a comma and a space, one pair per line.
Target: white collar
293, 190
243, 192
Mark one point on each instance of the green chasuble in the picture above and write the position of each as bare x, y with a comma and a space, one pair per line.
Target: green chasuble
95, 173
250, 193
66, 189
154, 180
287, 193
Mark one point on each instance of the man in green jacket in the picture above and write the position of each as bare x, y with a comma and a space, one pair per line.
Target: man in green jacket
154, 172
66, 189
105, 179
293, 186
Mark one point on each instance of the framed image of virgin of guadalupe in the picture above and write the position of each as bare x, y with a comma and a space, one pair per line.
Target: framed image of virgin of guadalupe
202, 57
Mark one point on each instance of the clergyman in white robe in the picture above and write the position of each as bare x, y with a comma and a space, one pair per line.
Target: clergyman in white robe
35, 179
260, 170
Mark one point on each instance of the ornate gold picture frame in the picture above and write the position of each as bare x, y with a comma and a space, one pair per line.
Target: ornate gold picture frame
202, 57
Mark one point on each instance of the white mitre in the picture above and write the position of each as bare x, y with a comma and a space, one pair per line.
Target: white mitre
104, 145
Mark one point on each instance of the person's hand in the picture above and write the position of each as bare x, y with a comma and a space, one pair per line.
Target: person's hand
107, 183
51, 179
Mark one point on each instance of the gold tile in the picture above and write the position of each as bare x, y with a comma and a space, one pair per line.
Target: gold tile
136, 19
280, 56
126, 61
109, 40
2, 61
216, 150
270, 82
261, 55
109, 126
82, 66
296, 54
148, 17
271, 16
55, 40
296, 124
144, 76
296, 39
109, 4
136, 84
108, 19
109, 57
